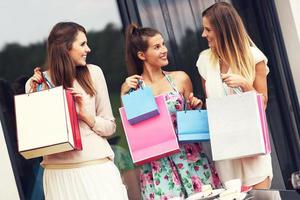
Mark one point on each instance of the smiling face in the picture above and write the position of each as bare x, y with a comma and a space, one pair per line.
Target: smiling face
209, 33
79, 49
157, 52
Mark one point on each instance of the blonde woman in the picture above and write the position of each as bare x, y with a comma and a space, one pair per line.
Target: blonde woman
233, 59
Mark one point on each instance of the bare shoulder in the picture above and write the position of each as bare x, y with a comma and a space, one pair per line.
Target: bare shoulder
179, 76
182, 81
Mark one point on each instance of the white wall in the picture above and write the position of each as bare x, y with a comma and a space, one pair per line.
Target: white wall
8, 187
289, 17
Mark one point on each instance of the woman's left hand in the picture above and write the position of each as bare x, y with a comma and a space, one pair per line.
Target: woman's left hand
81, 112
233, 80
194, 101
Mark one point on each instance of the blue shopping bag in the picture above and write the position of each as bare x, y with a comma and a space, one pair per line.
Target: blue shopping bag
139, 105
192, 125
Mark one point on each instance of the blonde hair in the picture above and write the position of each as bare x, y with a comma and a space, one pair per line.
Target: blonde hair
233, 44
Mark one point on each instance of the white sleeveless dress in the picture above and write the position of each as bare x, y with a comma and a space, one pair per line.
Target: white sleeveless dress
250, 170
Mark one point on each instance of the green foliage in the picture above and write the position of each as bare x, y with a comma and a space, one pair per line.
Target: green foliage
17, 60
116, 104
107, 51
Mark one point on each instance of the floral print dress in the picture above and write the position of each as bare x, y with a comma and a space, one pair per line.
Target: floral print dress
180, 174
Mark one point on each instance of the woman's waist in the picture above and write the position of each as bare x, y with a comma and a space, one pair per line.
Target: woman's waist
84, 155
76, 164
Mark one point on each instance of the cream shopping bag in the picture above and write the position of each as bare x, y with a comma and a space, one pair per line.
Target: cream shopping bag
44, 125
237, 126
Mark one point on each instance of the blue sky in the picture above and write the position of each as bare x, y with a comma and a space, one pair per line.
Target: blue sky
29, 21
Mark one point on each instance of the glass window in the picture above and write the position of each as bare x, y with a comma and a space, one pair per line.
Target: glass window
26, 25
180, 23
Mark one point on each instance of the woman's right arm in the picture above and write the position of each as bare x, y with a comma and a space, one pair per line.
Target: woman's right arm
203, 86
203, 64
32, 83
260, 82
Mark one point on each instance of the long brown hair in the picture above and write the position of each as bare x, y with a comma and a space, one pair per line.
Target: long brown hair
61, 66
137, 40
233, 42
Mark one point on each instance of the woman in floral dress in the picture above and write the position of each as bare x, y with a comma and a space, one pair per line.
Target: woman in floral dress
184, 173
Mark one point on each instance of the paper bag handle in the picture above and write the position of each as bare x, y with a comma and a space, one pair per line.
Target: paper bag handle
46, 80
185, 105
235, 90
140, 84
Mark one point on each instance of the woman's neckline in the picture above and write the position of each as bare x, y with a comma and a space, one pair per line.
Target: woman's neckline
220, 68
166, 74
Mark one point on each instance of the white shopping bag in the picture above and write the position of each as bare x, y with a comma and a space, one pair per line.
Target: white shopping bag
237, 126
44, 125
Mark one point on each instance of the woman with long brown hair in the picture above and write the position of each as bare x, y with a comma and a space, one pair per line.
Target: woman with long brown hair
183, 173
233, 59
90, 173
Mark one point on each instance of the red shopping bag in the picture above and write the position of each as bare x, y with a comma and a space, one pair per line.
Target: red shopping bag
153, 138
74, 120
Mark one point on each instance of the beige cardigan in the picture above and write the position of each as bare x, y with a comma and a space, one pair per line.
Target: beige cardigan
95, 145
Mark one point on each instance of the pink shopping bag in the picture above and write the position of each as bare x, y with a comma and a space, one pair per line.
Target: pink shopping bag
264, 123
153, 138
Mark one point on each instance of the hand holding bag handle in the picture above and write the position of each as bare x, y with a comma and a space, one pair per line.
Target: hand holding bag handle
140, 104
140, 84
263, 118
153, 138
235, 125
192, 125
71, 108
46, 82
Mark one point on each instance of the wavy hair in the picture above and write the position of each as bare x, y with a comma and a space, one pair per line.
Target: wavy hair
61, 66
233, 44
